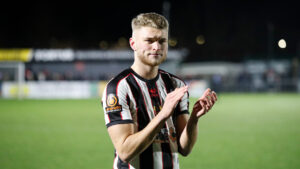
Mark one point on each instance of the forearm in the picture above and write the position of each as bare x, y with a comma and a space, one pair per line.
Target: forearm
188, 136
136, 143
129, 142
188, 129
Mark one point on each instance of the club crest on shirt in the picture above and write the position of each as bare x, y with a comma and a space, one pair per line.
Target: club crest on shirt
112, 104
153, 92
111, 100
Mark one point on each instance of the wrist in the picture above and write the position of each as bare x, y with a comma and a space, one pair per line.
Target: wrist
162, 116
194, 118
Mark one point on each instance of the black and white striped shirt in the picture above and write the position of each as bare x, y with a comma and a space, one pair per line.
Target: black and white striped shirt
129, 98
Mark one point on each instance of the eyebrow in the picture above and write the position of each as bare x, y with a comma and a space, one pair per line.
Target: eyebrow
154, 38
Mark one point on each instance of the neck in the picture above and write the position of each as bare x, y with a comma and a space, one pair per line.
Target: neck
145, 71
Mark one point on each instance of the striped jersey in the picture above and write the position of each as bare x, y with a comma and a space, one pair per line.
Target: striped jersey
129, 98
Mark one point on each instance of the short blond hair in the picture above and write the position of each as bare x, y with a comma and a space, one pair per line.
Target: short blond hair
151, 19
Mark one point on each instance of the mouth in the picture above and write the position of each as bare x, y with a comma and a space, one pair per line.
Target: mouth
155, 54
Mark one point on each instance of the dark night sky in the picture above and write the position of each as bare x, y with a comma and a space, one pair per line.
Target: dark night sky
233, 30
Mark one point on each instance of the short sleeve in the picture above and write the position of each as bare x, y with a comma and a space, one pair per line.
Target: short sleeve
115, 104
183, 106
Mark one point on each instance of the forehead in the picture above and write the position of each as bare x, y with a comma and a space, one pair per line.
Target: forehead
149, 32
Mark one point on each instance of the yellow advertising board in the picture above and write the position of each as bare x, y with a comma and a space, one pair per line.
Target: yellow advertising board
24, 55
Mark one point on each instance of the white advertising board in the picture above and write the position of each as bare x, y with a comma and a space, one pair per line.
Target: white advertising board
48, 90
74, 90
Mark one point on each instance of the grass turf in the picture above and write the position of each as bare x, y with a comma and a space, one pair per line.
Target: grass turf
242, 131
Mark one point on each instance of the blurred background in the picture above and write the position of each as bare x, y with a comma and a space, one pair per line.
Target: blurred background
250, 46
52, 52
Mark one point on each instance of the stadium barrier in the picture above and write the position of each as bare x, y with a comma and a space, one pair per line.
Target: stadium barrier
53, 90
72, 89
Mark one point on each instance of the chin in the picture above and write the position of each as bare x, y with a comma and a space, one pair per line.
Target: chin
157, 63
153, 61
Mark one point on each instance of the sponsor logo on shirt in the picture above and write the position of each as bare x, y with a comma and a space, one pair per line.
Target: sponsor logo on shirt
112, 104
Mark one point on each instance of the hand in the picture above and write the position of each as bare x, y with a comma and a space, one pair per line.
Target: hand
172, 100
204, 103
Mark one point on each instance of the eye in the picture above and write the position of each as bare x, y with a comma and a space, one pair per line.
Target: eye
148, 40
162, 41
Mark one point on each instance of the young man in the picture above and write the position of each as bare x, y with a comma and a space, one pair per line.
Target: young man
146, 109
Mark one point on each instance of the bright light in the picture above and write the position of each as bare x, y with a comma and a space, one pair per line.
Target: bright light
200, 40
282, 43
172, 42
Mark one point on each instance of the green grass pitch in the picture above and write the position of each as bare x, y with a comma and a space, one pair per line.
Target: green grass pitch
242, 131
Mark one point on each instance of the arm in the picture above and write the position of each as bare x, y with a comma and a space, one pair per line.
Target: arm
188, 127
129, 143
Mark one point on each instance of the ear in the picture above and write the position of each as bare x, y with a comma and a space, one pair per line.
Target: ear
132, 44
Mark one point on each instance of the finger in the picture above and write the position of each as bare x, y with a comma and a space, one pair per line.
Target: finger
178, 94
208, 106
203, 105
208, 100
214, 95
211, 99
181, 94
178, 90
206, 92
183, 90
175, 92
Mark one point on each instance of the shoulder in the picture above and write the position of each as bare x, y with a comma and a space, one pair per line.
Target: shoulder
113, 84
175, 79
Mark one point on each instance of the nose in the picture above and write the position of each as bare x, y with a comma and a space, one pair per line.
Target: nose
156, 46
